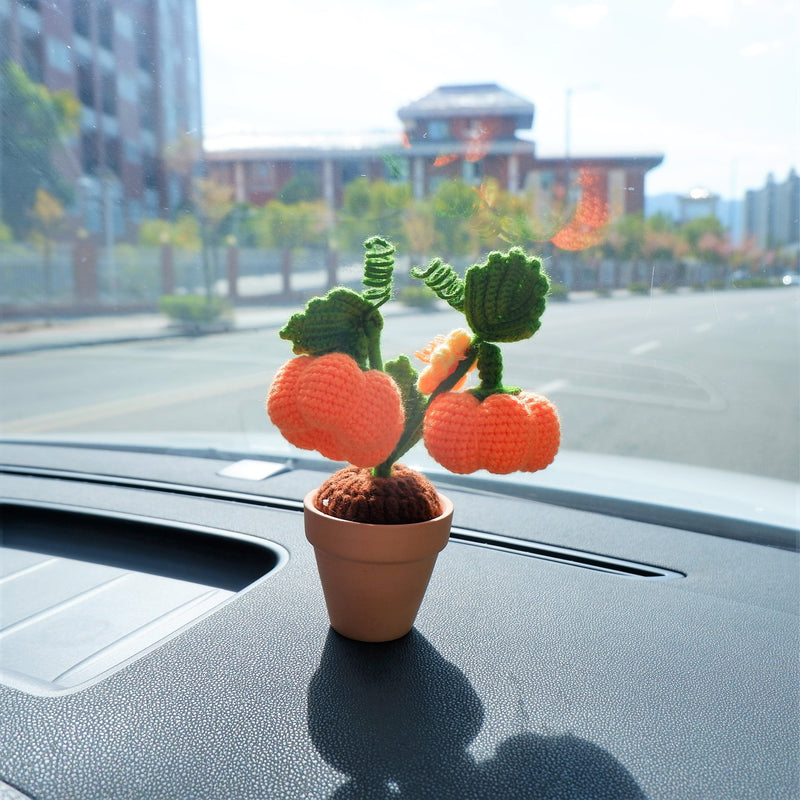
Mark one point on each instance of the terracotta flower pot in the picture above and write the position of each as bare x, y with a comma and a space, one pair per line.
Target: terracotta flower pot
374, 576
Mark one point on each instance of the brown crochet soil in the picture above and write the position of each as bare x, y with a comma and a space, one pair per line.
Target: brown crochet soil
355, 494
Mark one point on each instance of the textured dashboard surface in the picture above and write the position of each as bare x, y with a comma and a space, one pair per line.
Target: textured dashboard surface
523, 677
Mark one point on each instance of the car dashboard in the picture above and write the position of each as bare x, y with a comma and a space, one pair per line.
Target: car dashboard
163, 634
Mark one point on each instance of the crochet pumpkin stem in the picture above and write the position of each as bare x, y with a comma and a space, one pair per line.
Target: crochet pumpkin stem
490, 372
490, 368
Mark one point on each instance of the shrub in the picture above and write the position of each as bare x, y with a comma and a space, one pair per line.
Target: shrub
417, 297
638, 287
194, 310
558, 292
758, 282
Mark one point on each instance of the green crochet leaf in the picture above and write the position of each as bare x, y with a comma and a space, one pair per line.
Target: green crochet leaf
341, 322
414, 402
405, 376
504, 298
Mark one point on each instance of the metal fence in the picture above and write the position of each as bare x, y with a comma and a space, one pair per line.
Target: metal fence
83, 275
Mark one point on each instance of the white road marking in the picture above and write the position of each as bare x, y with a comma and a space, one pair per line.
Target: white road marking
551, 386
645, 347
702, 327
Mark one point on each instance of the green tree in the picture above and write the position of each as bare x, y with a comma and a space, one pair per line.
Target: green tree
696, 230
625, 237
301, 188
182, 157
33, 120
455, 203
213, 202
287, 227
419, 231
183, 233
373, 206
48, 220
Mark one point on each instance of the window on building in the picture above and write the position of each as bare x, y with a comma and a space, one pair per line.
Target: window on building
113, 154
472, 172
438, 129
147, 114
89, 157
81, 18
261, 176
144, 52
352, 169
85, 84
150, 172
108, 94
32, 57
105, 24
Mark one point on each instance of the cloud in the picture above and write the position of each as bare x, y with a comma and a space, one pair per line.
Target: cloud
761, 48
715, 12
586, 15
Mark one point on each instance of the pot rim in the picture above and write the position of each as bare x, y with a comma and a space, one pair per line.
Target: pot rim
447, 511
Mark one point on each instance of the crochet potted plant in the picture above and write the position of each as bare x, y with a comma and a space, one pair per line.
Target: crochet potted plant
376, 525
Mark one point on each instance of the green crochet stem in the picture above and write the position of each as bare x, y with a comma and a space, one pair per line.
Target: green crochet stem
416, 421
490, 373
378, 269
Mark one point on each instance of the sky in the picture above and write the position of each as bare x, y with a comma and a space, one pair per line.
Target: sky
713, 85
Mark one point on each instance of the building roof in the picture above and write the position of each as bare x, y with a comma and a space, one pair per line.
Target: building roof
469, 100
255, 146
645, 161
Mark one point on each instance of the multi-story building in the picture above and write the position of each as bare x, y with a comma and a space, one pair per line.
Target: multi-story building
134, 66
697, 203
467, 132
772, 213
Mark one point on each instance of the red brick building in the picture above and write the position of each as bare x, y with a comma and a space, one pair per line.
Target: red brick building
467, 132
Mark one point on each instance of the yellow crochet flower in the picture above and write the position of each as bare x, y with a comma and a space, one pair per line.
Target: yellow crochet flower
442, 356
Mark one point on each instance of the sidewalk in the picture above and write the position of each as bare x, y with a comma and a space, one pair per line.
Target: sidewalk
31, 335
28, 336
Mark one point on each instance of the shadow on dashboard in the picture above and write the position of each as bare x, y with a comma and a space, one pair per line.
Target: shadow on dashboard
397, 719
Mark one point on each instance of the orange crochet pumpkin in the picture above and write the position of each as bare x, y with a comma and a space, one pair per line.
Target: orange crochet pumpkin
327, 403
502, 434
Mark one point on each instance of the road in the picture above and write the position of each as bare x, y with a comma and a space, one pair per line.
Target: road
710, 379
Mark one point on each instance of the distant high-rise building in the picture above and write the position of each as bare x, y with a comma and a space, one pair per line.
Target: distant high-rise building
134, 66
772, 213
697, 203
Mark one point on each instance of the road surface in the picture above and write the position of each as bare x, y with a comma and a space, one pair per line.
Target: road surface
710, 379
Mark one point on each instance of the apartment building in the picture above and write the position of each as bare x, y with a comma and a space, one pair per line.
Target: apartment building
134, 66
772, 213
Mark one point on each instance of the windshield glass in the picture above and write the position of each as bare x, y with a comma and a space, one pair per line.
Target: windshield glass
177, 178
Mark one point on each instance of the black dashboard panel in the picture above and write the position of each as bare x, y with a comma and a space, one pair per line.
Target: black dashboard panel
528, 674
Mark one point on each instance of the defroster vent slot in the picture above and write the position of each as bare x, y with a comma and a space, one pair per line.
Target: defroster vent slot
563, 555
